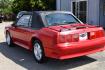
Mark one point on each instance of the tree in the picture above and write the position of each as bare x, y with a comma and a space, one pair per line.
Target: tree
5, 6
19, 5
29, 5
38, 4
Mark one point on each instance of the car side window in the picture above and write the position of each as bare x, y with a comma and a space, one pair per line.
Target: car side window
24, 21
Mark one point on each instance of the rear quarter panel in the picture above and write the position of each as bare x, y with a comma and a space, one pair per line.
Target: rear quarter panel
47, 37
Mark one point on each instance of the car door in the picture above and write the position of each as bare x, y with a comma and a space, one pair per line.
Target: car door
22, 32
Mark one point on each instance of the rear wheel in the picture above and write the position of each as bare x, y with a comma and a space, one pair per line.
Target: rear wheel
38, 51
9, 40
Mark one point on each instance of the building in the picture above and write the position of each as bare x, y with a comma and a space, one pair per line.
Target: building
89, 11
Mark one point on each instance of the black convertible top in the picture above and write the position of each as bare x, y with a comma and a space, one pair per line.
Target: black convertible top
38, 17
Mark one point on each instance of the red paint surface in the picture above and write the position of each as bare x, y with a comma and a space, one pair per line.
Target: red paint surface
61, 42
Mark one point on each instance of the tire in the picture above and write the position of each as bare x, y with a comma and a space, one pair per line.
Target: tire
38, 52
0, 21
9, 40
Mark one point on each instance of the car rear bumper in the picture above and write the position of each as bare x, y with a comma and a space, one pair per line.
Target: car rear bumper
76, 49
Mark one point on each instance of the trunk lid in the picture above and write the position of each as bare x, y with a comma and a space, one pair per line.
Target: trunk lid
70, 27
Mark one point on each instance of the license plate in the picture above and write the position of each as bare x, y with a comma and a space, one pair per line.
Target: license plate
83, 36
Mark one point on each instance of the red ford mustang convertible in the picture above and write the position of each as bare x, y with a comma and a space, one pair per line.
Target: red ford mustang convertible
55, 34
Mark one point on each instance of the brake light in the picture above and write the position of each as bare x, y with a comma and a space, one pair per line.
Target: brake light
75, 37
64, 38
100, 33
92, 35
96, 34
68, 38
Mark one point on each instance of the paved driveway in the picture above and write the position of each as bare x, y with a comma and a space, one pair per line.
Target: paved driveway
16, 58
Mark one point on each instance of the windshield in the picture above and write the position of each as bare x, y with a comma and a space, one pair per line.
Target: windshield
60, 19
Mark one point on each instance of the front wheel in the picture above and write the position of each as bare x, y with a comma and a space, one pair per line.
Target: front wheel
39, 52
8, 39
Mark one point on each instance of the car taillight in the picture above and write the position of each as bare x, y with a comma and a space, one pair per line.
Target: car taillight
68, 38
64, 38
96, 34
75, 37
92, 35
100, 33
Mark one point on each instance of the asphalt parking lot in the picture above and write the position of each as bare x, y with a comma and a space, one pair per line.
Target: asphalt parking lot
17, 58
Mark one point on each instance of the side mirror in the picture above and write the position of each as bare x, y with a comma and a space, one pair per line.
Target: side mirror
13, 25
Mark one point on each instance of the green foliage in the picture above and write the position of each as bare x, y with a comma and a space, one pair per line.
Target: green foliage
19, 5
9, 6
5, 6
38, 4
29, 5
